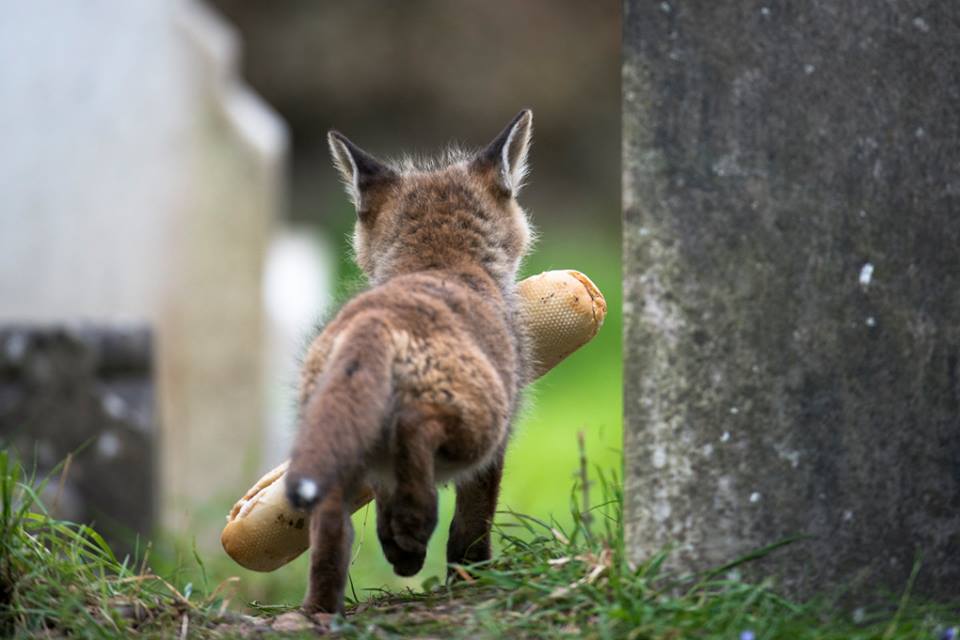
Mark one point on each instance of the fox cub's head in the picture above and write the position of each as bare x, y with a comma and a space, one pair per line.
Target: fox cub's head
461, 210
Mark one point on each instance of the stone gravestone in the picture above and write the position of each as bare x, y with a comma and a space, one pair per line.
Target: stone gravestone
139, 181
85, 395
792, 287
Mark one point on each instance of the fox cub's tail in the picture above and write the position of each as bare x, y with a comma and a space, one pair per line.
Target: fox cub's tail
342, 422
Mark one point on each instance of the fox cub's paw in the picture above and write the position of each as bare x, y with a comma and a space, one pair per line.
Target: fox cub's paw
404, 526
323, 601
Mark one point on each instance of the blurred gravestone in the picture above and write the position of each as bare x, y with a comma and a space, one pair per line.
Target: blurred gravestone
792, 283
139, 181
85, 393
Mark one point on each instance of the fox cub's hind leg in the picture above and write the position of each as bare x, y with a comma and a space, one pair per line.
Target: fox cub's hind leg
407, 516
331, 536
469, 540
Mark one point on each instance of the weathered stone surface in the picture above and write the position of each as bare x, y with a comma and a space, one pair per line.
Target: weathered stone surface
792, 286
85, 392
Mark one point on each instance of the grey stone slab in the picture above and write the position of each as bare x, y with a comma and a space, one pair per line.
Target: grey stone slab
792, 287
86, 392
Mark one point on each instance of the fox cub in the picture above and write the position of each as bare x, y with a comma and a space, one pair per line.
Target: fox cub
415, 381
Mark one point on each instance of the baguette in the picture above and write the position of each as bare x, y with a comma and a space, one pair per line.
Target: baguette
563, 310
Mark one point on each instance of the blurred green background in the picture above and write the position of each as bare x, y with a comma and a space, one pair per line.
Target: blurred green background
411, 77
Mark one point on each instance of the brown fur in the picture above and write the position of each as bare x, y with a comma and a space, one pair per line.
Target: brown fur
416, 381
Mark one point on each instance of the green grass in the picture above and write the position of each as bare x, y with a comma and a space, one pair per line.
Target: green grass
61, 579
550, 580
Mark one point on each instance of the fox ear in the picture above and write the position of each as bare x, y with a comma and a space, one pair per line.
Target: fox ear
507, 154
359, 170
